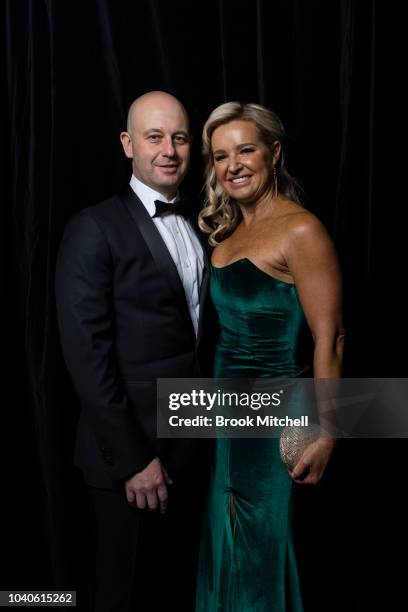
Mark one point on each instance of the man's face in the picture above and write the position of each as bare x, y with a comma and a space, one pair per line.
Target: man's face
159, 144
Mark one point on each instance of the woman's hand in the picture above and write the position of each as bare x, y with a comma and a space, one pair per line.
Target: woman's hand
312, 464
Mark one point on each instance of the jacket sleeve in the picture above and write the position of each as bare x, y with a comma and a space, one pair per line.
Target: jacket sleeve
84, 295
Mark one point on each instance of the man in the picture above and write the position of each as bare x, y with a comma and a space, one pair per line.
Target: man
131, 286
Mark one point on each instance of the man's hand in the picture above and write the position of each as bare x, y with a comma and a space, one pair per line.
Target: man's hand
148, 488
312, 464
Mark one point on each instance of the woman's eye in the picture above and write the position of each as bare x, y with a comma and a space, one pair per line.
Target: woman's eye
219, 158
247, 150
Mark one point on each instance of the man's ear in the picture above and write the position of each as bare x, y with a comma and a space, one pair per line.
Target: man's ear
126, 144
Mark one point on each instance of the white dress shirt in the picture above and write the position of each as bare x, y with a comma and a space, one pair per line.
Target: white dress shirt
182, 243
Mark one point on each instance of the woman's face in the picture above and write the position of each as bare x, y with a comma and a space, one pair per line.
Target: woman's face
242, 162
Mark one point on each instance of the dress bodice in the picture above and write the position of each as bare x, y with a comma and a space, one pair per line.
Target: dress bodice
261, 321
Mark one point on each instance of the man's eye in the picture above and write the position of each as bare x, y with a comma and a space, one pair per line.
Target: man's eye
154, 137
180, 139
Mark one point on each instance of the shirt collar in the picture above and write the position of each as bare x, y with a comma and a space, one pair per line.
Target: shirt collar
147, 195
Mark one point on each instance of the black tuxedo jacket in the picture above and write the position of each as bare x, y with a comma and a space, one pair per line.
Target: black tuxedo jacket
124, 322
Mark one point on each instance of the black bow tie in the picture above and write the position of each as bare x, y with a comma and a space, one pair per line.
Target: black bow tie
180, 207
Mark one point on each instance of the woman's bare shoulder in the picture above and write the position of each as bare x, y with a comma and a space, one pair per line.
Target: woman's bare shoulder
301, 222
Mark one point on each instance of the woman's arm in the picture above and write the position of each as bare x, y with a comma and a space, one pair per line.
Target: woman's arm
313, 263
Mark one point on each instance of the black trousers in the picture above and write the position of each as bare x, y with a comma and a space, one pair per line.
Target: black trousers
146, 560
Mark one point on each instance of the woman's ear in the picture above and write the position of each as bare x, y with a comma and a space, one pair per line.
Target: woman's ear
276, 153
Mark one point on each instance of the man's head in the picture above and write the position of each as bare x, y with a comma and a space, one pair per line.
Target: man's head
158, 141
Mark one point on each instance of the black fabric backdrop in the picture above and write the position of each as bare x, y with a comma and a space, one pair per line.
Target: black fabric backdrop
70, 71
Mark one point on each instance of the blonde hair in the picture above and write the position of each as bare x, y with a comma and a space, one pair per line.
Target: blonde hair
221, 214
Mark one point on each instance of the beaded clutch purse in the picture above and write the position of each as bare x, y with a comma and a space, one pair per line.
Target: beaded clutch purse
293, 442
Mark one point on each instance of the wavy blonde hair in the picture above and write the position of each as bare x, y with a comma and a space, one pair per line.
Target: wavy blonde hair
221, 214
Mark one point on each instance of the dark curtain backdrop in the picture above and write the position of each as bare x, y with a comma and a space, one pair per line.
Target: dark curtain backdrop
70, 70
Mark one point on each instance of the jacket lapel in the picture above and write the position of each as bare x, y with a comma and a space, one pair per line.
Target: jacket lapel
156, 246
204, 282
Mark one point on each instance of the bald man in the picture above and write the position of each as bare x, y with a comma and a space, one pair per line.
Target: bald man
131, 286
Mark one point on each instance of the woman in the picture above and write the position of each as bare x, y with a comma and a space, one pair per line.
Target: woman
274, 267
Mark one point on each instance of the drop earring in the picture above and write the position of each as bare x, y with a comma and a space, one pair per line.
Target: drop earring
275, 182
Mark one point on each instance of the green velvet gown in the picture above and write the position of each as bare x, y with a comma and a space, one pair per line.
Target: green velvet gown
247, 558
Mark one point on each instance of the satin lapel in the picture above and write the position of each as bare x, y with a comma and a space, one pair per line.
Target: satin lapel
156, 245
203, 301
204, 282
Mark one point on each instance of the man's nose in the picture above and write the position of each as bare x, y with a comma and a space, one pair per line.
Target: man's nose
168, 147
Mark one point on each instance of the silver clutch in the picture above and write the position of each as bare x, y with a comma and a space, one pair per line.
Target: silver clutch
293, 442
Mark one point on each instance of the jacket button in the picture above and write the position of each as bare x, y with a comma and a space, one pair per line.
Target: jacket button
108, 458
